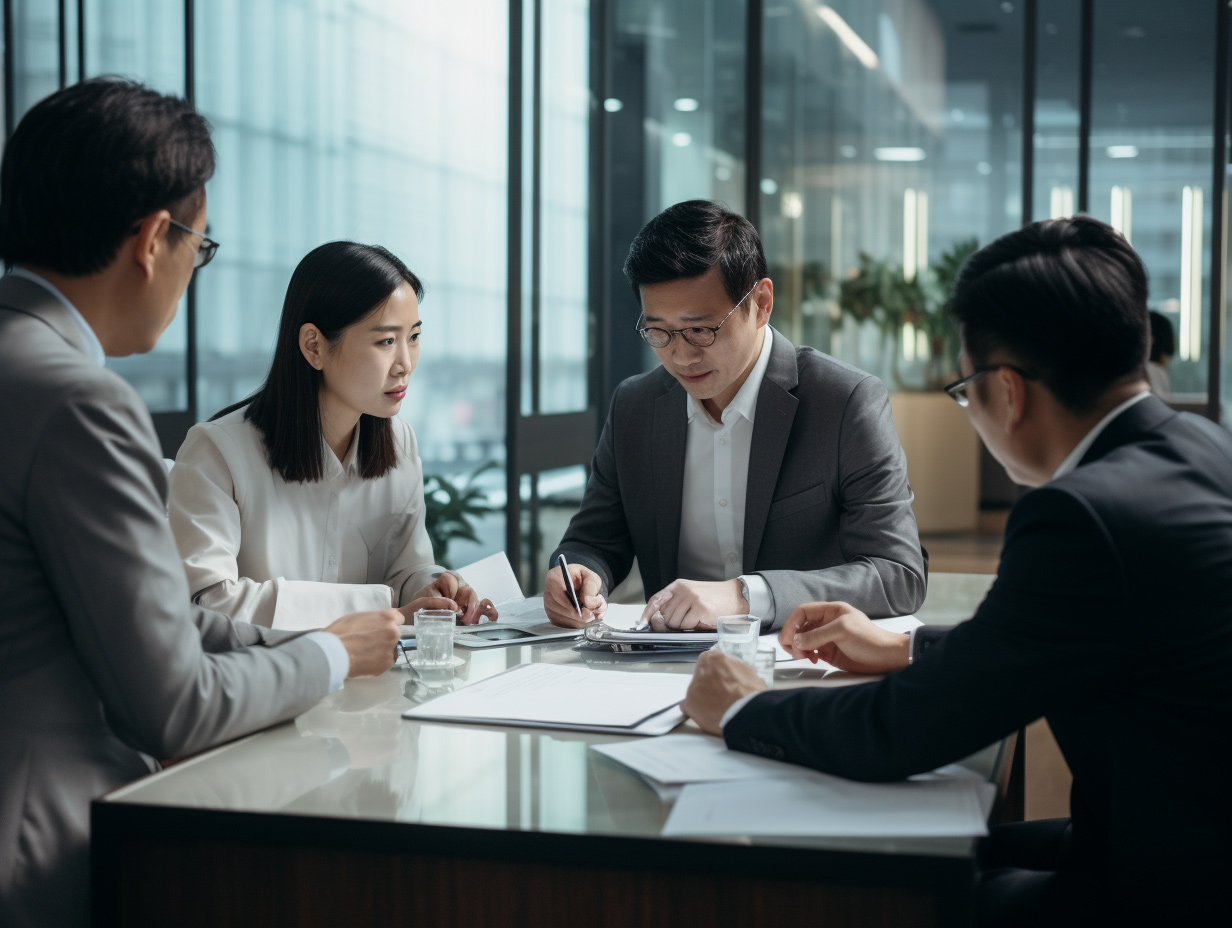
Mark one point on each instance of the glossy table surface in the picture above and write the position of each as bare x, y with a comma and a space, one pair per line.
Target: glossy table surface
354, 756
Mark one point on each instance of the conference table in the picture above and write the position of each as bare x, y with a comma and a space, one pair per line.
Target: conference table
352, 815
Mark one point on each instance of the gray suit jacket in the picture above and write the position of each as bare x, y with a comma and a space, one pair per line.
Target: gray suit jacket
828, 510
103, 661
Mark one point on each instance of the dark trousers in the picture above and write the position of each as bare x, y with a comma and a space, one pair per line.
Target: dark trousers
1022, 879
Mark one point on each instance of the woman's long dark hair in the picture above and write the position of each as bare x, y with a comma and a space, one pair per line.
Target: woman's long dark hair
334, 286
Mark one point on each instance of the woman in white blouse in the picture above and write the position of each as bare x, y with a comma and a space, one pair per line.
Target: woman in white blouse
305, 501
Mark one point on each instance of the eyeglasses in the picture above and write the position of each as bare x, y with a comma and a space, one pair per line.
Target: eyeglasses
699, 336
205, 251
958, 390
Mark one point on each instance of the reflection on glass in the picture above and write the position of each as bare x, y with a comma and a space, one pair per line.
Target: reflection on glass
389, 131
1057, 78
1151, 147
891, 147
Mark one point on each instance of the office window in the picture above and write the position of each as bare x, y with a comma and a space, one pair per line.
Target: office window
144, 40
381, 123
1057, 82
35, 51
565, 117
891, 135
1152, 106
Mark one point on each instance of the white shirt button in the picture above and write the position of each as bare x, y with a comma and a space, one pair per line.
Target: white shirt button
731, 557
332, 560
723, 440
723, 503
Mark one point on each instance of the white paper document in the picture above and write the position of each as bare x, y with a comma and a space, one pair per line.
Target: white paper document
565, 696
818, 805
492, 578
694, 759
902, 623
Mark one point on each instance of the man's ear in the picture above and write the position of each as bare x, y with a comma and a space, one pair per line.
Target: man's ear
763, 299
151, 236
313, 345
1016, 395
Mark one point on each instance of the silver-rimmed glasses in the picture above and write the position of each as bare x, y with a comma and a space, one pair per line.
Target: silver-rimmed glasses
207, 248
699, 336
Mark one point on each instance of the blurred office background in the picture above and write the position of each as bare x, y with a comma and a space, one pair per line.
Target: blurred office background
509, 151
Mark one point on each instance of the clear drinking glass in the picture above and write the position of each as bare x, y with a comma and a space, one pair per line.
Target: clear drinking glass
434, 640
764, 665
738, 636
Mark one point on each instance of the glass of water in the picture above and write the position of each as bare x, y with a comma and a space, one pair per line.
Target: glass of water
434, 641
764, 665
738, 636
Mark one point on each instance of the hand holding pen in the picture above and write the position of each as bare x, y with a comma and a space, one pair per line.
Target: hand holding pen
571, 595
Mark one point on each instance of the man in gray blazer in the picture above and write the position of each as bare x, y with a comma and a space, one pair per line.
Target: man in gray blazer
104, 664
745, 474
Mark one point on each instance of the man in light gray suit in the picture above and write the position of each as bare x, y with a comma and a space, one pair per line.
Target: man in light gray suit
746, 475
104, 664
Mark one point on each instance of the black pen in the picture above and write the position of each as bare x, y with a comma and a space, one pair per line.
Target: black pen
564, 572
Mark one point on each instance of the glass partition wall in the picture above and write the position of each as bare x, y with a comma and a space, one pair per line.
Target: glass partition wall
509, 150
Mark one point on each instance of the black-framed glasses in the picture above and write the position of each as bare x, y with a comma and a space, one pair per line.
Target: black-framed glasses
699, 336
958, 389
205, 251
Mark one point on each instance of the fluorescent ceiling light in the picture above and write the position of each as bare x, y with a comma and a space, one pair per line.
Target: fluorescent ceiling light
856, 45
612, 105
898, 154
681, 139
686, 105
1122, 151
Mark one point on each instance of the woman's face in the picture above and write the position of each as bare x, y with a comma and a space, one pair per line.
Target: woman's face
366, 370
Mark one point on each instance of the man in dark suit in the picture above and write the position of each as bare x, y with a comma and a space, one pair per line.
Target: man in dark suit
746, 475
104, 663
1110, 615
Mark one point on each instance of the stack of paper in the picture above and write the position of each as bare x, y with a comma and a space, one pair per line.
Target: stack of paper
729, 793
564, 696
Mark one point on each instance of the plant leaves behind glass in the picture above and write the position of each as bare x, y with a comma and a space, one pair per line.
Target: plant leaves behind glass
450, 508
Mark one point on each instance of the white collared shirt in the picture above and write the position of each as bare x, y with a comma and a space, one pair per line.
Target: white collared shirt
94, 348
716, 472
1072, 459
301, 554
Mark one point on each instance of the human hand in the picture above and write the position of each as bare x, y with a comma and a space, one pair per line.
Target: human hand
718, 681
558, 605
426, 602
370, 639
463, 599
844, 636
694, 604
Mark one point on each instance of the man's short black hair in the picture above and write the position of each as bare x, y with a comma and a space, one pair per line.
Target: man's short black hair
688, 239
88, 163
1064, 298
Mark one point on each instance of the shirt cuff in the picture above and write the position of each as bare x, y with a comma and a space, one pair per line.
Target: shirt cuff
911, 646
761, 600
335, 654
736, 706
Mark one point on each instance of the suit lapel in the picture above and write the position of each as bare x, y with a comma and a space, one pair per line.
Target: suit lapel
667, 454
776, 411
